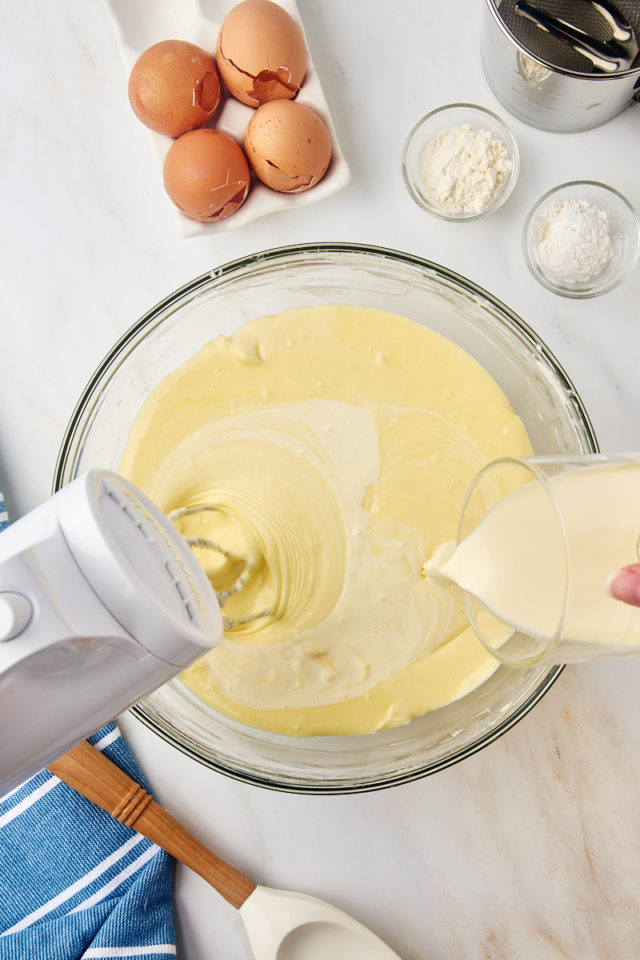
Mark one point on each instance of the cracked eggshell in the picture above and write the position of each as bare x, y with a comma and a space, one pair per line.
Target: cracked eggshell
174, 87
206, 174
288, 146
261, 53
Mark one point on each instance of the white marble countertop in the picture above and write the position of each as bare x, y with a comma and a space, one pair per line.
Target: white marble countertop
528, 849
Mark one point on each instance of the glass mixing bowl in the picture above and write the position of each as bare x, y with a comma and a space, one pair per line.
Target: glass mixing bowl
269, 282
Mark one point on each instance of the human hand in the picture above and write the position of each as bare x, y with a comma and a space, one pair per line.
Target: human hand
624, 584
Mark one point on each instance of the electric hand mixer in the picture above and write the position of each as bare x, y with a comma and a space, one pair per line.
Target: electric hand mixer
101, 602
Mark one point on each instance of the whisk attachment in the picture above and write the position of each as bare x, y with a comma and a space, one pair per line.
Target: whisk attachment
206, 543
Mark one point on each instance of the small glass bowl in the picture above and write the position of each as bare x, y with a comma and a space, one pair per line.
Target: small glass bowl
624, 233
439, 121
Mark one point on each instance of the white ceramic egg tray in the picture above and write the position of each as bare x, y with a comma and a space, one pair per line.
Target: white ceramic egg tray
140, 23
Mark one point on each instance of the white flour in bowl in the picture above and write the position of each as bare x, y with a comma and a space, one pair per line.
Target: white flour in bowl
573, 240
462, 169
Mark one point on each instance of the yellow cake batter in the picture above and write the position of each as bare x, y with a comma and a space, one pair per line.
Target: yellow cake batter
337, 444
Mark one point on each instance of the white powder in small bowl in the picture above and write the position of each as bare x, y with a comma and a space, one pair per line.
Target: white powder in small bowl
572, 239
463, 169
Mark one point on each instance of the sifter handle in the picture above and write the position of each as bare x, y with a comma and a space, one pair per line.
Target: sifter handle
90, 773
608, 56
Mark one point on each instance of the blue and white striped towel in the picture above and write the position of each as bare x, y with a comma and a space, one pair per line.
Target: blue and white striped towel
74, 882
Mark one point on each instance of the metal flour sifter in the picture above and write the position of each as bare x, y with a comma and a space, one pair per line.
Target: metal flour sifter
562, 65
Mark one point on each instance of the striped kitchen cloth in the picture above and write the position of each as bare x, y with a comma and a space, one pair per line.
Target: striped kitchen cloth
74, 882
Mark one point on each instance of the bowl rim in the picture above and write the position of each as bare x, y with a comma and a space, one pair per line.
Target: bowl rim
511, 144
338, 787
586, 293
81, 418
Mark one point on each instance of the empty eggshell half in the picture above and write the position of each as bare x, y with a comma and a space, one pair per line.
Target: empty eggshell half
206, 174
261, 53
174, 87
288, 146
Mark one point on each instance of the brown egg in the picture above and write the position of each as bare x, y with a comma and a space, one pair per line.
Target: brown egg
288, 146
206, 174
174, 87
261, 53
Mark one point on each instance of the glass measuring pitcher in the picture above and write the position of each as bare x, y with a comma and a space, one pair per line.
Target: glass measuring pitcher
538, 541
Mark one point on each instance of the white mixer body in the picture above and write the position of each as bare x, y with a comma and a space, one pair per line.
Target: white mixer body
101, 601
